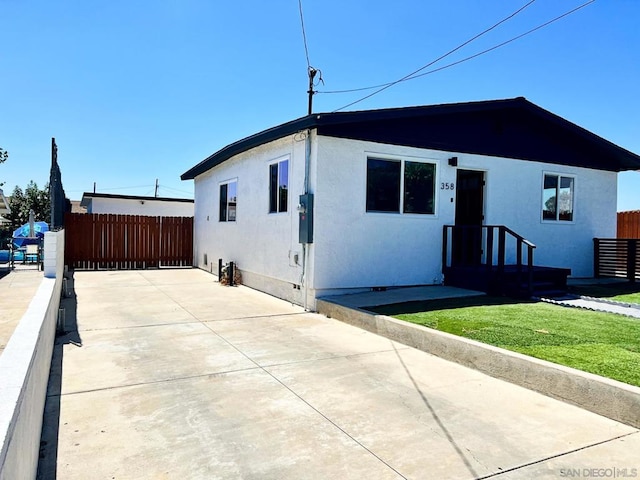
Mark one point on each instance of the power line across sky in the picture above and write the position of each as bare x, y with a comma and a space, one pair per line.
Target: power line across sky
135, 91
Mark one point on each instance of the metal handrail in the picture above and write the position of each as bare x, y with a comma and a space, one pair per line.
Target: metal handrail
487, 235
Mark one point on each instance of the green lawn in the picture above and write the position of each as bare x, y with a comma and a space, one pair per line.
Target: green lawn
600, 343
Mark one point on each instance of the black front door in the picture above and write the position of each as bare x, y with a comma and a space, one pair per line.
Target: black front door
467, 238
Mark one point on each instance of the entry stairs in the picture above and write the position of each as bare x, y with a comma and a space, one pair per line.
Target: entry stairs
496, 260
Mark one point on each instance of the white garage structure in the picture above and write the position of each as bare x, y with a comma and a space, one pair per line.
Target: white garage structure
137, 205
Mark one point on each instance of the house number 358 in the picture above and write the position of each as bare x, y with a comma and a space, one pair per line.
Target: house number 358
446, 186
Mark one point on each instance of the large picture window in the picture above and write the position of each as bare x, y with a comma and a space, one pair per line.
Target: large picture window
228, 201
400, 186
278, 186
557, 198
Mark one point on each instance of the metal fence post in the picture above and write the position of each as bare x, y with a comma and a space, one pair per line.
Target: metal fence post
596, 258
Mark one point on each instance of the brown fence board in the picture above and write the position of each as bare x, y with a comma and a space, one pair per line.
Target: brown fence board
104, 241
629, 224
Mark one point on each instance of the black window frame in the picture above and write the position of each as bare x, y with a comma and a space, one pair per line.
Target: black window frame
390, 190
227, 211
551, 210
383, 185
279, 196
415, 199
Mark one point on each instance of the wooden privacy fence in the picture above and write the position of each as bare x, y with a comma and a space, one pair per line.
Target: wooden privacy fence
124, 242
629, 224
616, 257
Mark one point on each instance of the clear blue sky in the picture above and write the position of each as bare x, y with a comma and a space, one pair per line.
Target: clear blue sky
138, 90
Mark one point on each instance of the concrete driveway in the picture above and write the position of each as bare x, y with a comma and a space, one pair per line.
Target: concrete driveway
172, 376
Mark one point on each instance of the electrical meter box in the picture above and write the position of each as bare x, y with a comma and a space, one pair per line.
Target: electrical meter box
305, 212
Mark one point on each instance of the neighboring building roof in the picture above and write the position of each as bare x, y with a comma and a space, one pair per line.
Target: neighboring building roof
4, 204
77, 208
511, 128
87, 196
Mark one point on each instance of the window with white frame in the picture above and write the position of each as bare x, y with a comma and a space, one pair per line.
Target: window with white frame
228, 201
279, 186
557, 197
397, 186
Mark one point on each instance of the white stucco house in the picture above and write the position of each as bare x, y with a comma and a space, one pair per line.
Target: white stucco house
137, 205
378, 188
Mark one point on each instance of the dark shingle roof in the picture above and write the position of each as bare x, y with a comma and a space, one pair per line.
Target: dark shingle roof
511, 128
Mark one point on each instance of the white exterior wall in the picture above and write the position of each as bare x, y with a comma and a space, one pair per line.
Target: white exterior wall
263, 245
153, 208
355, 249
513, 197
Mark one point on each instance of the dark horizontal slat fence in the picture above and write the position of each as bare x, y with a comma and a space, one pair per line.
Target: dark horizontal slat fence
124, 242
629, 224
617, 257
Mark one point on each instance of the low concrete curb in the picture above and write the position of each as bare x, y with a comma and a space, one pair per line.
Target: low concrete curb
24, 373
24, 370
615, 400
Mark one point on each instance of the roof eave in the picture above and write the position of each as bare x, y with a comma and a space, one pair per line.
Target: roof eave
622, 159
87, 197
260, 138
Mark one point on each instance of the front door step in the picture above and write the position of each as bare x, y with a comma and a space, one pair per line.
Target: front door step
511, 281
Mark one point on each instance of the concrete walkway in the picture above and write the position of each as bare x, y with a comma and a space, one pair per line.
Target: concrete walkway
17, 288
597, 305
401, 295
172, 376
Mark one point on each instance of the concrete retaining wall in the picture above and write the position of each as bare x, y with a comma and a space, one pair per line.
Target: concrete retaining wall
53, 264
24, 374
610, 398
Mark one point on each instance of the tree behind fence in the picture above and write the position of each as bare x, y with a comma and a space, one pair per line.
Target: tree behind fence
104, 241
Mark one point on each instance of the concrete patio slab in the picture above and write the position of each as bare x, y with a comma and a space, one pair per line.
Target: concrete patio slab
130, 356
126, 306
176, 276
454, 421
285, 394
617, 459
237, 302
401, 295
111, 278
296, 338
236, 425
